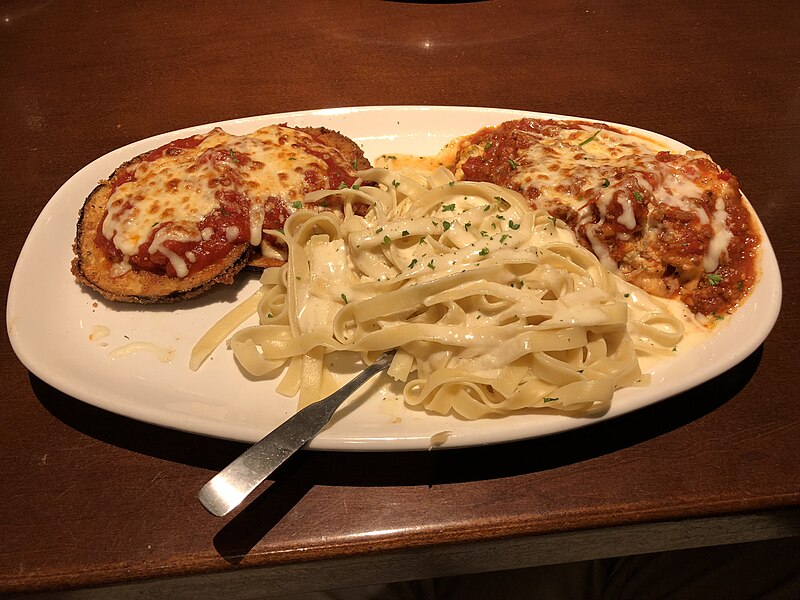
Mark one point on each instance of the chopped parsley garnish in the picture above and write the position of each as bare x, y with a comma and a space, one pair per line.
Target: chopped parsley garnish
452, 183
512, 163
590, 138
513, 225
714, 279
405, 233
549, 399
355, 164
503, 238
446, 225
297, 204
390, 156
412, 263
342, 186
344, 298
484, 251
386, 239
487, 207
430, 265
379, 229
638, 196
487, 145
395, 183
606, 182
467, 225
553, 219
448, 207
355, 186
422, 240
233, 156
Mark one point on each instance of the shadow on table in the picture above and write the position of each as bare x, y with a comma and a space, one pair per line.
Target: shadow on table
307, 469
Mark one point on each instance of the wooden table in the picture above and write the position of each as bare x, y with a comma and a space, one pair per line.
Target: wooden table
90, 498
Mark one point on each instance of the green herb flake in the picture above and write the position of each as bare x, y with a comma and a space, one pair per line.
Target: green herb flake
405, 233
549, 399
387, 239
606, 183
486, 208
430, 265
513, 225
589, 139
714, 279
269, 315
452, 183
484, 251
379, 229
342, 186
503, 238
553, 219
638, 196
355, 164
448, 207
627, 295
412, 263
233, 156
467, 225
446, 225
740, 285
395, 183
487, 145
297, 204
512, 163
344, 298
355, 186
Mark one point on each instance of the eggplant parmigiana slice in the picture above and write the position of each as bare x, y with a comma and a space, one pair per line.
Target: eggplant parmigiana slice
675, 225
174, 221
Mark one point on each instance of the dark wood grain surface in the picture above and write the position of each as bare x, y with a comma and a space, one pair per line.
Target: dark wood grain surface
90, 498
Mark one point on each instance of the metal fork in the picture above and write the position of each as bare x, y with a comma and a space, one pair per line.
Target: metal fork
228, 488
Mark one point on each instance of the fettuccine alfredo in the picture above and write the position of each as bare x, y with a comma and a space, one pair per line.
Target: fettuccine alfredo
492, 307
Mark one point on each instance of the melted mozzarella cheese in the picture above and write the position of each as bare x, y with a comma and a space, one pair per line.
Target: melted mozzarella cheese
177, 192
565, 162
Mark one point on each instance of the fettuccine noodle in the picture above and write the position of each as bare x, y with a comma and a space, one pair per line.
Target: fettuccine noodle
492, 307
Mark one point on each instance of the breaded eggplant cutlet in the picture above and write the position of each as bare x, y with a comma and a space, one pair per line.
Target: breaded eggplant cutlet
174, 221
